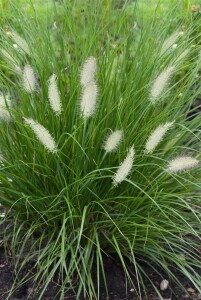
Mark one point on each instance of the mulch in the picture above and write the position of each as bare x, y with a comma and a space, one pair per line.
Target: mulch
115, 279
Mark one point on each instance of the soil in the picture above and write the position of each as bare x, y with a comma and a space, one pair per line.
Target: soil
115, 279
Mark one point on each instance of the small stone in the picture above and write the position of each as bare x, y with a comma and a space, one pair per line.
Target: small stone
190, 290
164, 285
30, 290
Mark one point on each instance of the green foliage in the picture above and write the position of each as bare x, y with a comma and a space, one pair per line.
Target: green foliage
30, 8
67, 199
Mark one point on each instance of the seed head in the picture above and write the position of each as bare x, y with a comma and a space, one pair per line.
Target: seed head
156, 137
11, 60
42, 134
88, 71
53, 95
169, 42
8, 56
89, 99
29, 80
113, 141
125, 168
161, 83
20, 42
183, 55
182, 163
5, 104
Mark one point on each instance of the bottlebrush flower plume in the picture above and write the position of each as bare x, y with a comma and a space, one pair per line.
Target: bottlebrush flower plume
160, 83
169, 42
156, 137
88, 71
20, 42
125, 168
5, 103
11, 60
53, 95
29, 79
7, 56
182, 163
113, 141
42, 134
183, 55
89, 99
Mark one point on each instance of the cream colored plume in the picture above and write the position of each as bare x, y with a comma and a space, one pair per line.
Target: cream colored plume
88, 71
5, 104
182, 163
20, 42
169, 42
113, 141
125, 168
161, 83
11, 60
29, 79
8, 56
89, 99
53, 95
156, 137
42, 134
183, 55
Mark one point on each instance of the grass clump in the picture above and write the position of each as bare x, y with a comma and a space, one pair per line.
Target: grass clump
100, 145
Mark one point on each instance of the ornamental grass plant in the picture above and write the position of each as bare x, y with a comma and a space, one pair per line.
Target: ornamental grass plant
100, 145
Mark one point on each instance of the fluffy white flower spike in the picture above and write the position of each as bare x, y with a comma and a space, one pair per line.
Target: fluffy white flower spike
89, 99
125, 168
53, 95
113, 141
5, 103
29, 79
88, 71
182, 163
161, 83
20, 42
42, 134
156, 137
169, 42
